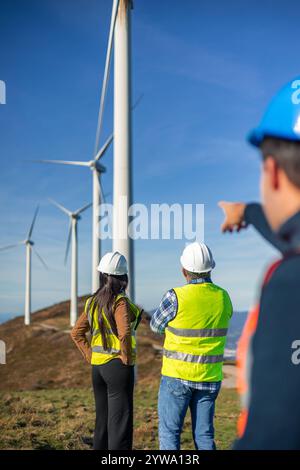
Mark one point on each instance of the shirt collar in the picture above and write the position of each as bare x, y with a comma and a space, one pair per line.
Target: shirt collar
290, 231
201, 280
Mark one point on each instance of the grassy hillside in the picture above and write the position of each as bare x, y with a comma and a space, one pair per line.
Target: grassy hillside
45, 389
63, 419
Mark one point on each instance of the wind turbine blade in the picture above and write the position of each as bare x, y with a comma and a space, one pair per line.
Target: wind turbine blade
103, 200
32, 223
106, 72
8, 247
62, 208
102, 197
137, 102
104, 148
83, 208
40, 258
68, 243
64, 162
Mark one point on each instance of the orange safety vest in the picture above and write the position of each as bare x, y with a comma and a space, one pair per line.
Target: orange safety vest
243, 353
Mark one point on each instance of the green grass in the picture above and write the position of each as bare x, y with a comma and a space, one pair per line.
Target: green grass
64, 419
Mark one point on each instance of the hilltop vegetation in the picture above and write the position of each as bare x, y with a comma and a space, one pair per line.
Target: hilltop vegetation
63, 419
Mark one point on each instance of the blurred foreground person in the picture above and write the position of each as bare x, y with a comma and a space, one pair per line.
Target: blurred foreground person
112, 319
269, 349
195, 318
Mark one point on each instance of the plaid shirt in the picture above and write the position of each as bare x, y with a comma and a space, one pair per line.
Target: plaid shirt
166, 312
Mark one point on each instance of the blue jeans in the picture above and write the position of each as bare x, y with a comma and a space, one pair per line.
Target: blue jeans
173, 401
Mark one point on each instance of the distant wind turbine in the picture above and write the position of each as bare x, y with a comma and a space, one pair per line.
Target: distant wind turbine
72, 239
29, 244
94, 164
120, 20
97, 169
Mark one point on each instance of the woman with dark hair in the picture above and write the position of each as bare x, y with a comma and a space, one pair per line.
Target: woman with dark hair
112, 319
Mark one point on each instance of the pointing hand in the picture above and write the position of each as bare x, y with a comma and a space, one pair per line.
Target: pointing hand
234, 216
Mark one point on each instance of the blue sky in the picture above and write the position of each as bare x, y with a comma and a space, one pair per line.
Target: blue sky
206, 69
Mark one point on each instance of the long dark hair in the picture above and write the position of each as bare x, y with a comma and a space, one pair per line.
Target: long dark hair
103, 301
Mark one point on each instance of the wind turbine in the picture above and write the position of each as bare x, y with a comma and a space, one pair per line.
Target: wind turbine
29, 244
97, 169
94, 164
72, 239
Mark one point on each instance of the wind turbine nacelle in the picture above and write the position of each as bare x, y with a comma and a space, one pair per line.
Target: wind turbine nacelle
100, 167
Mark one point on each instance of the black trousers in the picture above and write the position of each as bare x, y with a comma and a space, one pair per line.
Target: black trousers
113, 385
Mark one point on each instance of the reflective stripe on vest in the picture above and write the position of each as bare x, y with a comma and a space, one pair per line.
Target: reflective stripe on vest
100, 349
195, 339
191, 358
203, 332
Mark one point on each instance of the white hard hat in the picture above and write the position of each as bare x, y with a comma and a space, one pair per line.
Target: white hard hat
113, 263
197, 258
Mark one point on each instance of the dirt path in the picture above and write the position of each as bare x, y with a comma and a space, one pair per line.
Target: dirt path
230, 373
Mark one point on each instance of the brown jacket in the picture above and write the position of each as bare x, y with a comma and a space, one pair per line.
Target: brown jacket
123, 316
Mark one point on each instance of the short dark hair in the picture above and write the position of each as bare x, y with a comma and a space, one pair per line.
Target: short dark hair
286, 153
198, 275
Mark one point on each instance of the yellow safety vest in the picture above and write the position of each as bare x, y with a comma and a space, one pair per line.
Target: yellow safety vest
99, 354
195, 338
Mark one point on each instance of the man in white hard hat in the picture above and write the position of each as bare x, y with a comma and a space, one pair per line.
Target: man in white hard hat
195, 320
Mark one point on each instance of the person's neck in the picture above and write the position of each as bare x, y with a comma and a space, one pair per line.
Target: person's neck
289, 207
287, 203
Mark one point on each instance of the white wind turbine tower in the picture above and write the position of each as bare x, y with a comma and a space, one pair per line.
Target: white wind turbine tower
29, 244
122, 137
122, 179
73, 240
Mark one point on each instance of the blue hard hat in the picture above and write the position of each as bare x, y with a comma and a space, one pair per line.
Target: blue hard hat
282, 117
